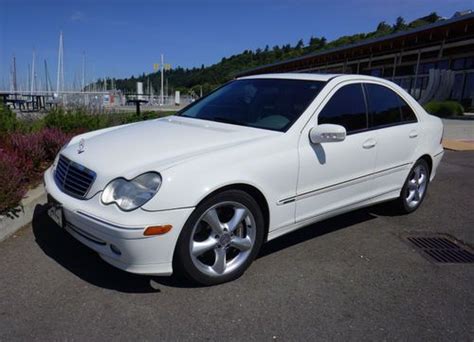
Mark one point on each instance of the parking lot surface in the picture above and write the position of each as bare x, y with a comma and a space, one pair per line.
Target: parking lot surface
348, 278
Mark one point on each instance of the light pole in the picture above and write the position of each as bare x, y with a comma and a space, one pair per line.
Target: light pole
162, 72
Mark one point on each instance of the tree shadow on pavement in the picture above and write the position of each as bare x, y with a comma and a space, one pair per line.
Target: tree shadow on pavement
87, 265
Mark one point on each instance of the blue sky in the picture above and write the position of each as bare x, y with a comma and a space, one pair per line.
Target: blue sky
121, 38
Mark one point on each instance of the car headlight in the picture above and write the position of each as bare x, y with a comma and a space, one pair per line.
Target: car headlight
132, 194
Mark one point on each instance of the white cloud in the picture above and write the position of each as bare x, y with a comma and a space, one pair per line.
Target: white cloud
78, 16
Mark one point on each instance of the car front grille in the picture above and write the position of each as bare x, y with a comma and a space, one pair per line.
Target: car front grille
73, 178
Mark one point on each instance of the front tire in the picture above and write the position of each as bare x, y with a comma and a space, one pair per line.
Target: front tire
220, 239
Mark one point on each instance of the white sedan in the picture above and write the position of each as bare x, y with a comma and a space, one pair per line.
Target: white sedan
261, 156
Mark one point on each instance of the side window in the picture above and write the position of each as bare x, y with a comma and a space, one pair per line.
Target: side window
407, 113
346, 108
384, 105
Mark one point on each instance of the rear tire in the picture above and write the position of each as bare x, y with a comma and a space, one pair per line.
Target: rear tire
220, 239
414, 190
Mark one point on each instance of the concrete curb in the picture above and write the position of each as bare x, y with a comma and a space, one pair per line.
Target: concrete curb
10, 224
466, 118
458, 145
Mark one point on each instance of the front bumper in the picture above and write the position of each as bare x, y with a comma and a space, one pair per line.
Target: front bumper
117, 235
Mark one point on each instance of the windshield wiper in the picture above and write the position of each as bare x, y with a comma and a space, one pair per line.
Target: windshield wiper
226, 120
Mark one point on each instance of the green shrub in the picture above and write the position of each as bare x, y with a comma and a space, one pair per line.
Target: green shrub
79, 120
129, 118
444, 108
74, 120
8, 120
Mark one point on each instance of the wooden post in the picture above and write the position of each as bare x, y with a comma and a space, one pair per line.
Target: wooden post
138, 107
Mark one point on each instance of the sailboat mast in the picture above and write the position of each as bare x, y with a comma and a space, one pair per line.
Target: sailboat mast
33, 75
60, 74
83, 84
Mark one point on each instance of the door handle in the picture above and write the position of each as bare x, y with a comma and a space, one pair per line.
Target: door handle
369, 143
413, 134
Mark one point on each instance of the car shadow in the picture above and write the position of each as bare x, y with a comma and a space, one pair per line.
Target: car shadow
60, 246
316, 229
56, 243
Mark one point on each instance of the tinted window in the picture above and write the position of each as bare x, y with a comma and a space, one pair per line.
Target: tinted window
384, 105
263, 103
407, 113
346, 108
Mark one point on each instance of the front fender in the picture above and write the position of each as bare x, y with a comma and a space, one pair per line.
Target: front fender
269, 166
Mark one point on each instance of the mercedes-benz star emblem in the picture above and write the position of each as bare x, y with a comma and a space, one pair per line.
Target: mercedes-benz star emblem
81, 148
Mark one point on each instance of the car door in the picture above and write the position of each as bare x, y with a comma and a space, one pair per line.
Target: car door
396, 132
335, 175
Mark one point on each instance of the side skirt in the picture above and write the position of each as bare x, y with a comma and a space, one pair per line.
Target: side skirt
378, 199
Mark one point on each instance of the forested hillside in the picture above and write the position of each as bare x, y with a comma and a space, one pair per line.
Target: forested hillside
207, 78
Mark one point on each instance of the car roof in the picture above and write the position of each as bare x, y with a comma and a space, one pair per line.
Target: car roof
293, 76
311, 77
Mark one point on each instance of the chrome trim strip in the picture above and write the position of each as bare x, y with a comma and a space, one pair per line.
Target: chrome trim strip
156, 211
437, 154
336, 186
346, 206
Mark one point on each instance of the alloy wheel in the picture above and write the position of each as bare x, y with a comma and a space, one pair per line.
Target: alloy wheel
222, 238
416, 187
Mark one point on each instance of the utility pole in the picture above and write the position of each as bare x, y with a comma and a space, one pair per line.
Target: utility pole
162, 71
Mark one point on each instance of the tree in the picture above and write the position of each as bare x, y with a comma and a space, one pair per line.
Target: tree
383, 27
431, 18
399, 24
322, 42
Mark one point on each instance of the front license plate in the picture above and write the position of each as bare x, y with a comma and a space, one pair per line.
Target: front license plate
56, 213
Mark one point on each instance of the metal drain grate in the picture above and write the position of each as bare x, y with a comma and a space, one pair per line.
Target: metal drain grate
442, 248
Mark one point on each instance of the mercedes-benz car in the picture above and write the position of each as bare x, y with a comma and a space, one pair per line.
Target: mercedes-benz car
199, 192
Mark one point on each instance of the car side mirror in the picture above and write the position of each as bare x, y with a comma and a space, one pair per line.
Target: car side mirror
327, 133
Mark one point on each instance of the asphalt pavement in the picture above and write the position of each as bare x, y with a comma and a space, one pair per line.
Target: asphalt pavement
353, 277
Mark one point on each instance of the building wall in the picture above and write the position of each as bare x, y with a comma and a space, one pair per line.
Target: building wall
405, 58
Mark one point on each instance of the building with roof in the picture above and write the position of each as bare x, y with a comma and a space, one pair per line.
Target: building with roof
432, 62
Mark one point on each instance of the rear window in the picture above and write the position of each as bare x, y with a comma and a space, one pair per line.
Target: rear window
408, 115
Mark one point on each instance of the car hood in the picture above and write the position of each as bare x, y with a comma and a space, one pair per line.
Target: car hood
129, 150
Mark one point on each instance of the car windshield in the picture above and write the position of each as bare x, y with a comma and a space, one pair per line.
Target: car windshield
273, 104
